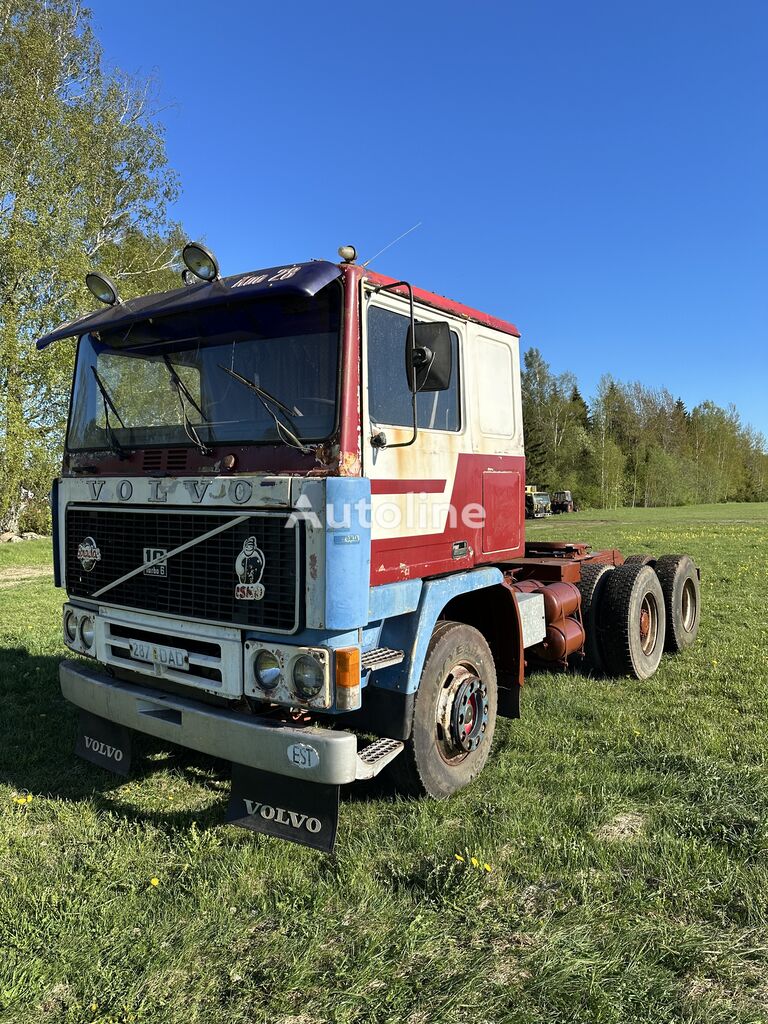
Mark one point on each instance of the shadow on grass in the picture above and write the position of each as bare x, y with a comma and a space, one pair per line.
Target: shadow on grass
37, 741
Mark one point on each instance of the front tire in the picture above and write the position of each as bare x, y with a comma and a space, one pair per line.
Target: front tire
454, 715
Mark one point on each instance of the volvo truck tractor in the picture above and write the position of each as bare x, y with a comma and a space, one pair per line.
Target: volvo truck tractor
290, 525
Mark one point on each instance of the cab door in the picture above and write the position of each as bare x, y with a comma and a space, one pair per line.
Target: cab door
419, 526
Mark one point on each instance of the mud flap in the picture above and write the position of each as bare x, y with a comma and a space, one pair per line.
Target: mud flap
302, 812
104, 743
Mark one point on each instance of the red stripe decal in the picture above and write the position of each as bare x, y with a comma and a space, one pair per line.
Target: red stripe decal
407, 486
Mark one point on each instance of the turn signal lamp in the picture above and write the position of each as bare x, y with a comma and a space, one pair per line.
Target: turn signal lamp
348, 678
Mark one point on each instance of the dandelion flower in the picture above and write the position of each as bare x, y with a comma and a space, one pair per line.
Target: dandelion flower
459, 858
154, 881
488, 867
475, 862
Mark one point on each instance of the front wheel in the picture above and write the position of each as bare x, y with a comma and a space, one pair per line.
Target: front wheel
454, 715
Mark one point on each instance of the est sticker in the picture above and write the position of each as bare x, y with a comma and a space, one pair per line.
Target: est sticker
302, 755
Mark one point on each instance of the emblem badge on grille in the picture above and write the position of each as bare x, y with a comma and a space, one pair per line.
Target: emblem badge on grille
249, 566
159, 568
88, 553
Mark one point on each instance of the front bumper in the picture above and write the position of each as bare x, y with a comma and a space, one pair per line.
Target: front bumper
256, 742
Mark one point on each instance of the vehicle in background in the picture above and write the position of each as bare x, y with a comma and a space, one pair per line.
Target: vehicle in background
562, 501
537, 505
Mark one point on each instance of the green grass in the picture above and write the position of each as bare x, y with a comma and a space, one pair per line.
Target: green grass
626, 825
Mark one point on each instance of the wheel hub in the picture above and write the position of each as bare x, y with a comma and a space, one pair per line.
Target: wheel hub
649, 624
462, 713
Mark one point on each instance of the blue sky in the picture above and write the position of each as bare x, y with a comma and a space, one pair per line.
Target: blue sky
595, 172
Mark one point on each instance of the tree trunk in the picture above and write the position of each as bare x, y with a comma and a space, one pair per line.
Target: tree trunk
14, 427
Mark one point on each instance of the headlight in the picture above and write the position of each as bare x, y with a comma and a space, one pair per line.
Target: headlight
70, 626
267, 670
308, 677
87, 633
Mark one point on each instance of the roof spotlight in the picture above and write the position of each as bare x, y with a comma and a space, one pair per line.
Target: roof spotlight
189, 278
103, 288
200, 261
348, 253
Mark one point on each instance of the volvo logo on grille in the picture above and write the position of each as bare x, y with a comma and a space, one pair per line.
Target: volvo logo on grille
88, 553
159, 568
249, 566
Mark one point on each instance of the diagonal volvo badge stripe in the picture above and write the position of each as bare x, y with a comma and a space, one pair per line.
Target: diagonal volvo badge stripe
170, 554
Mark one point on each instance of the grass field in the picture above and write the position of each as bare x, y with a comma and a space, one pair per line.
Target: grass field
625, 825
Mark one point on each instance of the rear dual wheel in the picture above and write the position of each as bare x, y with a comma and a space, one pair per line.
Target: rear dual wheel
679, 580
631, 622
594, 576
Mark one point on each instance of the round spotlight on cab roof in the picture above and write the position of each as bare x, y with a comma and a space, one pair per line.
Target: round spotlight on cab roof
200, 261
348, 253
103, 288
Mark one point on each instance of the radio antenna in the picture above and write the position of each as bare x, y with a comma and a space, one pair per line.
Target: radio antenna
389, 246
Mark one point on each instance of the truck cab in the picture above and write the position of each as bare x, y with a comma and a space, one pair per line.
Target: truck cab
291, 513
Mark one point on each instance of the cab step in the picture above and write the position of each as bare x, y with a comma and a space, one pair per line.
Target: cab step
380, 657
377, 755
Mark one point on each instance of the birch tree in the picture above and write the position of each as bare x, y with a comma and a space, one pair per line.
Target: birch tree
84, 183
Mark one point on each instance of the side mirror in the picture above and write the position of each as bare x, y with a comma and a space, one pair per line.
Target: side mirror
429, 357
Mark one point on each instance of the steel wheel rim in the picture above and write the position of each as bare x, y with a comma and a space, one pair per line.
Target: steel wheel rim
649, 624
688, 605
461, 719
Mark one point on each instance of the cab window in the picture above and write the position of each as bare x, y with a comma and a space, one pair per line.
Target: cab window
389, 399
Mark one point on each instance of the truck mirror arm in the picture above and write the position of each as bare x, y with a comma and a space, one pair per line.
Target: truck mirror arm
412, 379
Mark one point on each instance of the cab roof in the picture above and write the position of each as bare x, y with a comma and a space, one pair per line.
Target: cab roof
447, 305
296, 279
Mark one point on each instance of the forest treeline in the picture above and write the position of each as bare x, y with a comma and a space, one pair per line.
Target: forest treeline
635, 444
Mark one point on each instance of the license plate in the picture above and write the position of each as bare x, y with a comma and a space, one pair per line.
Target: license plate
158, 654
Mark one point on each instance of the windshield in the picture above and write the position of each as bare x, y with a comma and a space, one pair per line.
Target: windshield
256, 373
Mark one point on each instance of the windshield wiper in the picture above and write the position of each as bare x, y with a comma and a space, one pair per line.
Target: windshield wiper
261, 392
114, 444
183, 392
289, 434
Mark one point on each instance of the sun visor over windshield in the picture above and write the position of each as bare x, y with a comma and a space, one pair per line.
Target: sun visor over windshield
298, 279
